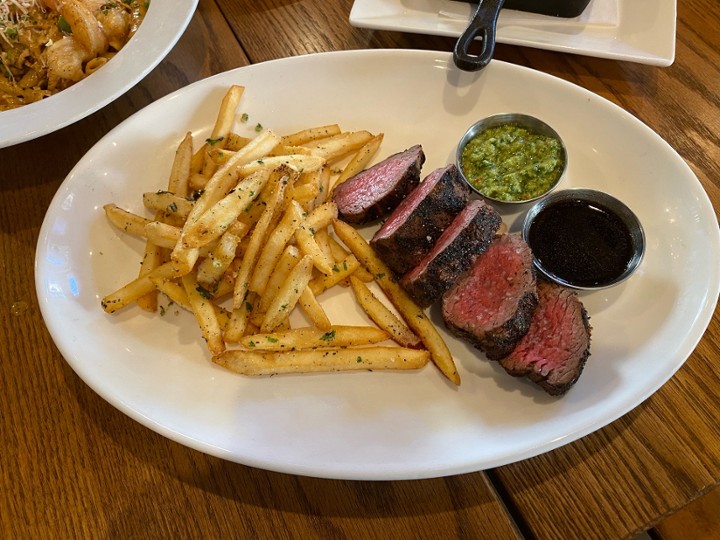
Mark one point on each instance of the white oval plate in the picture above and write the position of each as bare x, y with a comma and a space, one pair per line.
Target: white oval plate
378, 425
163, 25
644, 33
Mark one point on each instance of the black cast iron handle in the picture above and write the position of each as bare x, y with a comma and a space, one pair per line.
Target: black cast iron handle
482, 25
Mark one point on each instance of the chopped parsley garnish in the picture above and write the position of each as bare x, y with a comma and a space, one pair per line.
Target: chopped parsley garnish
204, 292
328, 336
63, 25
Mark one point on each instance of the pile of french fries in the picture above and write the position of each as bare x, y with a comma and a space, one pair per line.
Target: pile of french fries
246, 233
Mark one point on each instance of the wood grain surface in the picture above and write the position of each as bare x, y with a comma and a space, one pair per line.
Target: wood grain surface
72, 466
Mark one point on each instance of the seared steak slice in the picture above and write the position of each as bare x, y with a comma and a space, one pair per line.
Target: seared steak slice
468, 236
491, 305
414, 226
376, 191
555, 349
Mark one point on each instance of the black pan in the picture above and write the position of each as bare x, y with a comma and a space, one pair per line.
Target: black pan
484, 21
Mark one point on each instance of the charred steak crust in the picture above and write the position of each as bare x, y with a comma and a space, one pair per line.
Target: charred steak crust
554, 351
413, 227
492, 304
466, 238
376, 191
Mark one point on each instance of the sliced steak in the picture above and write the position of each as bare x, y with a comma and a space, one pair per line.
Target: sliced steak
376, 191
554, 351
413, 227
491, 305
467, 237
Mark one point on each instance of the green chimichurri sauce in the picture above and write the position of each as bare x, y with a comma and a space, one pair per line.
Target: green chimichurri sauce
510, 163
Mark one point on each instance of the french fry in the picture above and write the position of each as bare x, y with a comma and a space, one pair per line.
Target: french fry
205, 313
338, 250
180, 170
176, 293
252, 213
239, 229
239, 319
255, 363
338, 146
315, 338
126, 221
223, 123
169, 204
339, 254
225, 286
287, 261
312, 308
342, 270
310, 134
211, 270
284, 150
322, 238
235, 142
275, 245
196, 163
382, 316
161, 234
304, 194
152, 258
319, 218
306, 241
226, 116
184, 257
288, 294
257, 239
214, 158
227, 176
197, 181
322, 178
216, 219
408, 309
133, 290
298, 162
284, 325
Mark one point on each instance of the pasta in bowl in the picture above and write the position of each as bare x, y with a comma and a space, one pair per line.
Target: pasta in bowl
47, 45
61, 60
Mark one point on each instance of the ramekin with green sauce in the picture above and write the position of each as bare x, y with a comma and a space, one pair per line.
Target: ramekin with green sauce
511, 158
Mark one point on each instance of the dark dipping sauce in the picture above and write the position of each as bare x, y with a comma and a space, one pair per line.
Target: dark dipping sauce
581, 243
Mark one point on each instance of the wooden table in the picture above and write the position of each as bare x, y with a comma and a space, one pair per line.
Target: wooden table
72, 466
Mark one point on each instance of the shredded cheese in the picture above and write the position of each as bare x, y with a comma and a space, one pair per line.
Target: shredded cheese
11, 14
